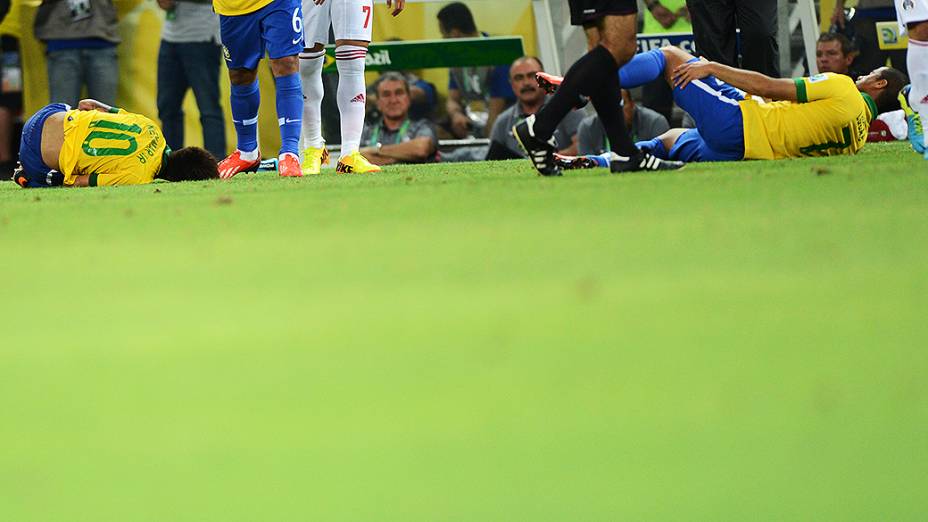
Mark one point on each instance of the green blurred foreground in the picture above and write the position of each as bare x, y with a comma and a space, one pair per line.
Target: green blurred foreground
471, 343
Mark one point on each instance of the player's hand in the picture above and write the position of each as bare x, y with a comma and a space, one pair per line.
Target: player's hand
397, 5
88, 104
664, 16
166, 4
687, 72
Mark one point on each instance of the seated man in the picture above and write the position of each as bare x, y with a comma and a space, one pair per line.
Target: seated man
825, 115
397, 138
529, 99
96, 144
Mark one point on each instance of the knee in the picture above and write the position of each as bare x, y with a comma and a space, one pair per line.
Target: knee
285, 66
242, 76
918, 31
622, 49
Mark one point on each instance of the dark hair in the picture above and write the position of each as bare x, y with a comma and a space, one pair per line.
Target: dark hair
527, 58
887, 100
392, 76
847, 46
189, 164
456, 15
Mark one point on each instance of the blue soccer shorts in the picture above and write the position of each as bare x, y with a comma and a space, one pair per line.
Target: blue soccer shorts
36, 172
275, 29
719, 133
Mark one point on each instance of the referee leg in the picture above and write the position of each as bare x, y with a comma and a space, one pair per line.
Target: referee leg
760, 50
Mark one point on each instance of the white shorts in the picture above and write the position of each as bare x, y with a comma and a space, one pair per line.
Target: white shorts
350, 20
911, 11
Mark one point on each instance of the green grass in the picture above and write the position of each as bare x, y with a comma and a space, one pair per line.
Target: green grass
471, 343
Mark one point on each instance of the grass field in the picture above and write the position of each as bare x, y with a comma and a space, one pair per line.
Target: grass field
471, 343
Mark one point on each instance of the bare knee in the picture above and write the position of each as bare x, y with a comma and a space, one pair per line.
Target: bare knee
674, 57
620, 47
918, 31
242, 76
356, 43
285, 66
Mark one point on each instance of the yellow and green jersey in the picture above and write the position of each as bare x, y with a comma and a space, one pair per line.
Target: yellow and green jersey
238, 7
116, 148
831, 118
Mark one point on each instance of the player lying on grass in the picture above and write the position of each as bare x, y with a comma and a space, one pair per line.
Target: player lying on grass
96, 144
825, 115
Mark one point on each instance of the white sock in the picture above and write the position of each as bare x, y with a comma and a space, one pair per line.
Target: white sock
249, 155
917, 60
351, 95
311, 73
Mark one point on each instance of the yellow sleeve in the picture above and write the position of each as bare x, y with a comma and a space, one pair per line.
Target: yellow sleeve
823, 86
108, 180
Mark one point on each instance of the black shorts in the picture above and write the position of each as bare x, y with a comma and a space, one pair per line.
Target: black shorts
585, 12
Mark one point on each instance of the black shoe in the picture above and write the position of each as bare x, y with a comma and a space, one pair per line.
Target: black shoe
577, 162
541, 153
643, 161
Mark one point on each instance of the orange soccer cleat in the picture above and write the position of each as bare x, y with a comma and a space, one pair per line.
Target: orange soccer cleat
235, 164
288, 165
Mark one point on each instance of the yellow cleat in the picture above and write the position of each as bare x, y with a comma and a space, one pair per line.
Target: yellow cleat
355, 163
313, 160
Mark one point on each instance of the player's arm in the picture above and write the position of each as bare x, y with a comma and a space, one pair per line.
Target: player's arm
89, 104
748, 81
104, 180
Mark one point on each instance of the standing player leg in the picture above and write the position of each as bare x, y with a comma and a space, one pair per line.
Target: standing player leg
316, 20
242, 47
352, 22
917, 61
283, 33
611, 34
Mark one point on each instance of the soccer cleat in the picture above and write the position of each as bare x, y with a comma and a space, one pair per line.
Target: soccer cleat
549, 83
643, 161
541, 153
580, 162
313, 160
355, 163
916, 128
288, 165
235, 164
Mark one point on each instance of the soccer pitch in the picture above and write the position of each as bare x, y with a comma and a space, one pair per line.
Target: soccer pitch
471, 342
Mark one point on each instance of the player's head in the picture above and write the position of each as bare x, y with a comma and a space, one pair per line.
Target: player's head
189, 164
456, 21
883, 85
522, 79
834, 53
393, 96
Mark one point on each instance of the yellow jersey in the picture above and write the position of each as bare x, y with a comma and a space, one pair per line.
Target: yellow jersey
238, 7
115, 148
831, 118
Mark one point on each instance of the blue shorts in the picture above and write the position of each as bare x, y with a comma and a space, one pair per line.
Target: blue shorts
719, 133
37, 173
276, 29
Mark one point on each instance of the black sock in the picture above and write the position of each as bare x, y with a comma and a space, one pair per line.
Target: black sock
595, 75
606, 97
591, 68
